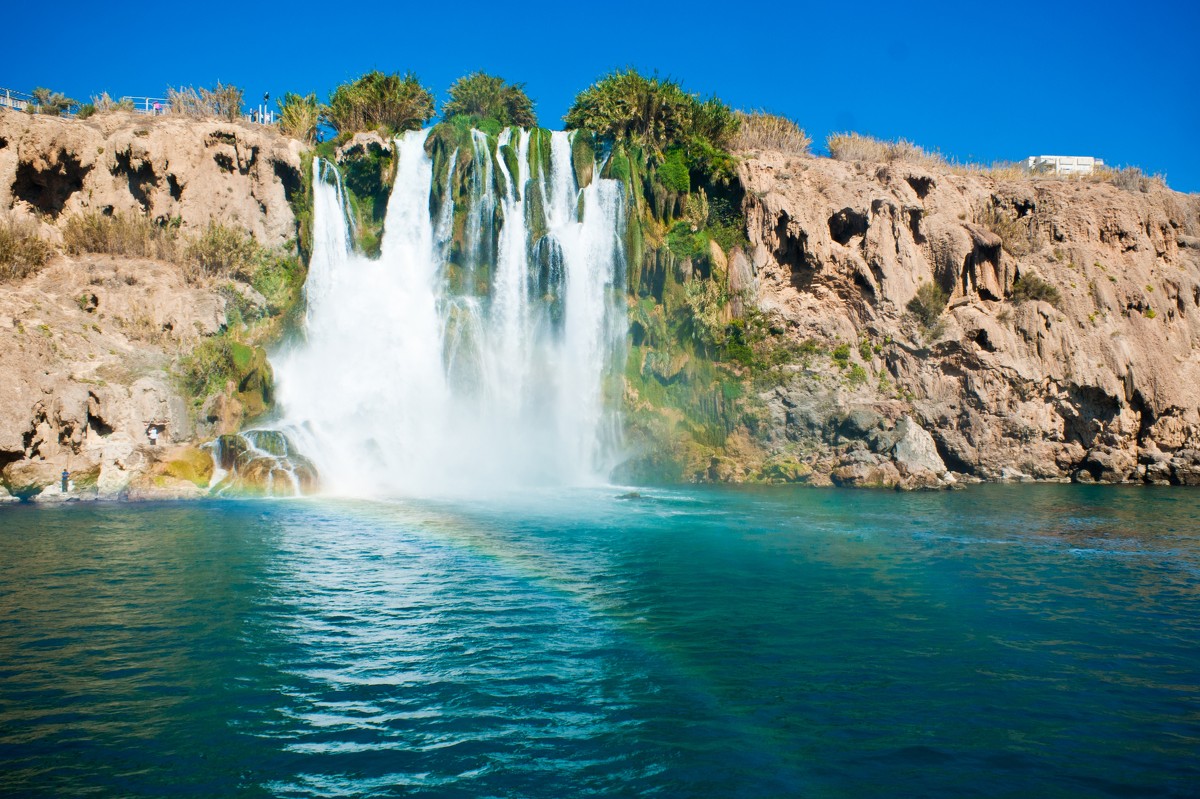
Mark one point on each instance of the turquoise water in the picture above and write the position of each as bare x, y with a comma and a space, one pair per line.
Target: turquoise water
998, 641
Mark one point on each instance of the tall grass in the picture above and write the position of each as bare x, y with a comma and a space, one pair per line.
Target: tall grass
22, 250
857, 147
104, 104
299, 116
222, 102
217, 251
131, 235
759, 130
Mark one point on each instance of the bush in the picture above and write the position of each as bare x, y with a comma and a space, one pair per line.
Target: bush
223, 102
488, 97
86, 110
299, 116
841, 355
22, 251
759, 130
387, 103
857, 147
120, 234
1133, 179
673, 172
221, 251
1032, 287
209, 366
1015, 236
928, 304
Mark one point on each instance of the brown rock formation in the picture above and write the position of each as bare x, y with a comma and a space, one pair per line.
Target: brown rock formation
1103, 383
87, 346
166, 167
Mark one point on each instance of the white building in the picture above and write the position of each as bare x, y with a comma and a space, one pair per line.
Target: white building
1063, 164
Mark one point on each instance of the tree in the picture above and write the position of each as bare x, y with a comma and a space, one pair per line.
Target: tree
51, 103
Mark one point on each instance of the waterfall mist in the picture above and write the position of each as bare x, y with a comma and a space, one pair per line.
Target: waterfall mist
486, 361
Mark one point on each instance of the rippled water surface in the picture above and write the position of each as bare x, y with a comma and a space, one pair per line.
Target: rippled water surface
999, 641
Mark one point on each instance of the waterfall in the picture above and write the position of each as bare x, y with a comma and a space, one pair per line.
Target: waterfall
410, 382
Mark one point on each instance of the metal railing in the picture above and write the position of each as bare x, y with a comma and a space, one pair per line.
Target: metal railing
150, 106
15, 100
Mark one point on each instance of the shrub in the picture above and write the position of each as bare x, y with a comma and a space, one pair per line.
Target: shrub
759, 130
857, 375
1133, 179
387, 103
299, 116
841, 355
86, 110
22, 251
223, 102
1032, 287
1015, 236
120, 234
673, 172
209, 366
221, 251
928, 304
488, 97
857, 147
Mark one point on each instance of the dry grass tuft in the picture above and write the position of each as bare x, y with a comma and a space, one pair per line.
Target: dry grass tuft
857, 147
217, 252
1015, 235
22, 250
131, 235
1131, 178
759, 130
223, 102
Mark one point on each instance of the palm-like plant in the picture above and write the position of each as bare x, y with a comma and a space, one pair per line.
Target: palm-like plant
652, 113
655, 114
488, 97
299, 115
389, 103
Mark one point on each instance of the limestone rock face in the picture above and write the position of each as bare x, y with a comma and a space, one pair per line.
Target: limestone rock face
89, 345
1098, 380
166, 167
86, 348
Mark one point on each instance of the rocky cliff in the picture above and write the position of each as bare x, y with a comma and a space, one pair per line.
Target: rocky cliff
1068, 348
900, 324
90, 345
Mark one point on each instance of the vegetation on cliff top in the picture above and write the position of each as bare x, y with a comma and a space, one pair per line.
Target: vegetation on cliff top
656, 115
480, 96
389, 104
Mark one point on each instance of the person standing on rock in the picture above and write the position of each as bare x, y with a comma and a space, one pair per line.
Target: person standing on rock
153, 433
66, 476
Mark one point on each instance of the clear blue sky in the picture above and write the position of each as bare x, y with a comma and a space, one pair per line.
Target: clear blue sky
980, 82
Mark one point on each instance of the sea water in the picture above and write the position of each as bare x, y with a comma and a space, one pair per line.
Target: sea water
997, 641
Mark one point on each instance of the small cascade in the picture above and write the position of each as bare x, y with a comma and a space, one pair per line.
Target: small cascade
260, 463
475, 353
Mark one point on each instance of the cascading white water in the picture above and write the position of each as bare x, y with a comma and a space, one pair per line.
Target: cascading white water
407, 384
